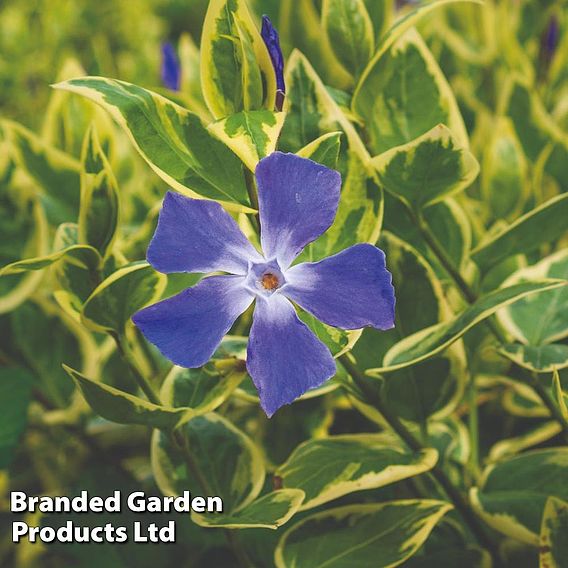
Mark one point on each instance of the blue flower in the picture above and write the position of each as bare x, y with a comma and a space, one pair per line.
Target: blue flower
171, 68
298, 200
272, 42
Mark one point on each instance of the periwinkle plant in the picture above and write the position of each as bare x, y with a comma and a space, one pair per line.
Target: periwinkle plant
233, 292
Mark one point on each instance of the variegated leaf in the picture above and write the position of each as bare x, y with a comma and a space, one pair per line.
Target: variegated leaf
553, 545
428, 169
251, 135
173, 141
270, 511
367, 536
84, 255
541, 319
204, 389
403, 94
311, 113
125, 408
541, 225
427, 390
428, 342
235, 470
513, 492
529, 439
329, 468
300, 25
537, 358
120, 296
350, 32
323, 150
504, 174
54, 171
99, 210
236, 70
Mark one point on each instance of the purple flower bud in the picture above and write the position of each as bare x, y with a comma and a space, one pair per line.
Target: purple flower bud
551, 36
272, 41
171, 68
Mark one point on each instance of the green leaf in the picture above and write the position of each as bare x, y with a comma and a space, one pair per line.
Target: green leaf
54, 171
124, 408
541, 319
427, 169
236, 70
300, 25
553, 544
121, 295
535, 127
251, 135
235, 469
15, 395
533, 437
447, 221
350, 32
381, 14
172, 140
371, 79
448, 545
504, 174
430, 341
98, 214
366, 536
267, 512
520, 400
513, 494
323, 150
68, 342
432, 388
404, 94
338, 340
23, 231
312, 112
451, 439
542, 225
84, 255
67, 118
203, 389
559, 395
329, 468
537, 358
77, 272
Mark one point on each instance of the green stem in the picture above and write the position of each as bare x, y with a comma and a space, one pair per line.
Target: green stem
253, 197
445, 260
473, 422
127, 357
471, 297
180, 442
549, 402
459, 501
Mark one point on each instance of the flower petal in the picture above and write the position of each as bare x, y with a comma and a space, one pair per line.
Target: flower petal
187, 328
284, 358
196, 235
298, 201
350, 290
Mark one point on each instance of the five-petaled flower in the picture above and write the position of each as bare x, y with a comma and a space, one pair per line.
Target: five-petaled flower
298, 200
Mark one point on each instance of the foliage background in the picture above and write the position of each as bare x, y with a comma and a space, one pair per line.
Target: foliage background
480, 400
